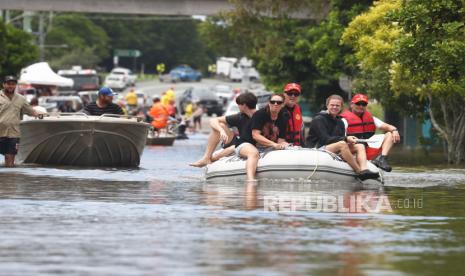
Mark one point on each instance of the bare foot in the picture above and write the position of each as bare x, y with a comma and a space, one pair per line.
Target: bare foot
201, 163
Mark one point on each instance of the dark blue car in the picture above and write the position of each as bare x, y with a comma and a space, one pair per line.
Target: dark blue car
185, 73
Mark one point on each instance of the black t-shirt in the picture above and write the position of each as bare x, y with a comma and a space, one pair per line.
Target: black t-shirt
243, 124
272, 130
95, 110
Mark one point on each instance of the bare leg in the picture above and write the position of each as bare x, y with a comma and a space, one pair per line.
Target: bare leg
361, 155
9, 160
251, 195
344, 150
226, 152
213, 140
387, 143
251, 153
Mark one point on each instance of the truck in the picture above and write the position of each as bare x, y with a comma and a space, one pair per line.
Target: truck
84, 79
236, 70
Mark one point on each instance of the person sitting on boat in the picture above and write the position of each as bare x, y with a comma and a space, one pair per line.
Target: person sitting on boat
269, 124
327, 132
160, 115
104, 104
359, 122
292, 110
242, 145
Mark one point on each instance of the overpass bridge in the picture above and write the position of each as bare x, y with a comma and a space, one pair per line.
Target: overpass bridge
147, 7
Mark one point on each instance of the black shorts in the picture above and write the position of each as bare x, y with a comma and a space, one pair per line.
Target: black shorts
197, 119
235, 141
9, 145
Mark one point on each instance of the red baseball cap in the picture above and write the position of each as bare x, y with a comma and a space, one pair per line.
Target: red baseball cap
292, 86
359, 98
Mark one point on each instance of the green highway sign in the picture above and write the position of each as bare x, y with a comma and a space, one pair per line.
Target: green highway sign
127, 53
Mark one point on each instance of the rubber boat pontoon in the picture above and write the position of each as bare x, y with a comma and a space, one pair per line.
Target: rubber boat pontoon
80, 140
294, 163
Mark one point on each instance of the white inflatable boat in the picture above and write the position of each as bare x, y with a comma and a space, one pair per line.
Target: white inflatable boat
294, 164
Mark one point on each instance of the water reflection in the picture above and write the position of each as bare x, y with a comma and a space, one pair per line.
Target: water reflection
164, 219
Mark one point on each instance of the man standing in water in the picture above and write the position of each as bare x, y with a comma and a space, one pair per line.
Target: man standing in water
12, 105
104, 104
243, 145
328, 132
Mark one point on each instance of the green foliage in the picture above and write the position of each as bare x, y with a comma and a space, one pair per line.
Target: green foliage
17, 50
373, 36
287, 49
81, 36
171, 42
410, 56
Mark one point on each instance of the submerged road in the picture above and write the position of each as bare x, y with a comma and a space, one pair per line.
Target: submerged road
163, 218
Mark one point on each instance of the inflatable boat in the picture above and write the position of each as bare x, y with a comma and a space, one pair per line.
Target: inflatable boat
78, 139
293, 163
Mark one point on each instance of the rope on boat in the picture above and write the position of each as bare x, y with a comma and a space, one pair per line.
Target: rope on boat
316, 166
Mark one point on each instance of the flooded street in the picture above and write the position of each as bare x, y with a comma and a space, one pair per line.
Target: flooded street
164, 219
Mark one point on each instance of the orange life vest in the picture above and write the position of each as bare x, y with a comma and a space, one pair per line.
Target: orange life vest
360, 127
294, 126
159, 115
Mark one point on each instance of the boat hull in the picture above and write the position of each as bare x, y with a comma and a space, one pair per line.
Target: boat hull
294, 164
83, 141
161, 140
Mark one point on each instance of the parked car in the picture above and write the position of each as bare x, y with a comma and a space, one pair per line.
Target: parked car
224, 92
185, 73
120, 78
262, 100
129, 76
168, 78
203, 97
115, 82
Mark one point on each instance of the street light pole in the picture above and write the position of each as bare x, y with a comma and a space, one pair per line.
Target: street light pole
41, 37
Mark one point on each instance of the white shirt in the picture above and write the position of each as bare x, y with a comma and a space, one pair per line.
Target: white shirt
377, 121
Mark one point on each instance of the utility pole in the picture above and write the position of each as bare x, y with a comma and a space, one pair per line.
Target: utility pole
41, 37
27, 18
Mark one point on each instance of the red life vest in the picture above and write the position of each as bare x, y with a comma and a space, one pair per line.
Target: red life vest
360, 127
294, 125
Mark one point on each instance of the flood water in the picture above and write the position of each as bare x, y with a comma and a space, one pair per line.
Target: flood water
163, 218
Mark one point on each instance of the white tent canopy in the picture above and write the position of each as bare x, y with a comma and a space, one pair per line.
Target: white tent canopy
41, 74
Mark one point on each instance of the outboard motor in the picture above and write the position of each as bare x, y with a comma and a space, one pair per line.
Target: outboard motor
182, 131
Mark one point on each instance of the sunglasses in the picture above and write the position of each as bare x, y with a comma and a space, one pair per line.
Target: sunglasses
361, 104
290, 94
276, 102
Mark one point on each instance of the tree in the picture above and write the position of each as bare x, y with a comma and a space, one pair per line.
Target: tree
171, 41
17, 50
431, 54
287, 49
80, 36
410, 55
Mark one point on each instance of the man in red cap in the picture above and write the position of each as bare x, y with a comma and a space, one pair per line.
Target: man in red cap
362, 124
292, 110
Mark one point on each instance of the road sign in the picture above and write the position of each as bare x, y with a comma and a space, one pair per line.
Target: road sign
212, 68
160, 68
127, 53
